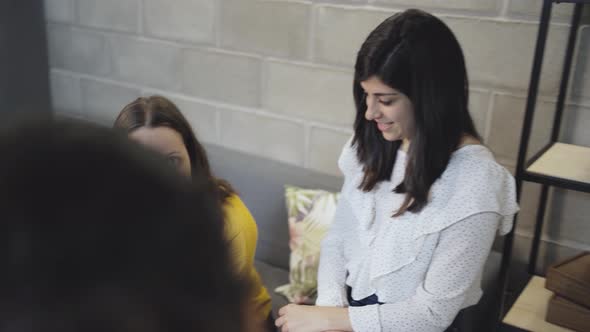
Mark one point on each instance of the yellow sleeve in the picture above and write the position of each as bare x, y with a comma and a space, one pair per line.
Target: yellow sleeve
242, 234
238, 251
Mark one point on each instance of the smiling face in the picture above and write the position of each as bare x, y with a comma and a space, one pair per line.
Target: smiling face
390, 109
167, 142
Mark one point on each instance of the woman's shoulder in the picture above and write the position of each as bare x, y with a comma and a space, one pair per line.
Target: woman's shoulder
475, 182
237, 216
475, 162
234, 202
235, 207
473, 170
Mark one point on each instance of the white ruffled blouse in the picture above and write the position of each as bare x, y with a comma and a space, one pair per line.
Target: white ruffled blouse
424, 266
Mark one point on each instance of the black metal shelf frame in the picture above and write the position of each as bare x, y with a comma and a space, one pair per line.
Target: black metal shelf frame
522, 173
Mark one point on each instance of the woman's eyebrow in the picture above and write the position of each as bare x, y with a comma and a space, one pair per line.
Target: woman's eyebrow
385, 94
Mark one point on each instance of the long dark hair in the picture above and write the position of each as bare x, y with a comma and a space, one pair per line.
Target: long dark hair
418, 55
158, 111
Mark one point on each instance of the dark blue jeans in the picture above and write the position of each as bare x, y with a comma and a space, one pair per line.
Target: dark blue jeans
373, 299
360, 303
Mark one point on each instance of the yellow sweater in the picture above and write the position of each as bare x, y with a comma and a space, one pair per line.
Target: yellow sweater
242, 234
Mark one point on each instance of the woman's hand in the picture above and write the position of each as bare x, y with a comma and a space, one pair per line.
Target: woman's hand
303, 318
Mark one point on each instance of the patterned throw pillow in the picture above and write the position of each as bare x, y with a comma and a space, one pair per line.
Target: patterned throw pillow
310, 215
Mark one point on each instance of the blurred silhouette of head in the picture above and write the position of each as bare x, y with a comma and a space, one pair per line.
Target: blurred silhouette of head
98, 234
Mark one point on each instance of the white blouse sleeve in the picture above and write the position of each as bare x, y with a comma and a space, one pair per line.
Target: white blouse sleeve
332, 267
456, 264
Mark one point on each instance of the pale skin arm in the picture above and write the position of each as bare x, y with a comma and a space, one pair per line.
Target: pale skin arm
303, 318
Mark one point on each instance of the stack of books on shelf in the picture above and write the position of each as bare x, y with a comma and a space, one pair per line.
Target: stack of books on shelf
570, 283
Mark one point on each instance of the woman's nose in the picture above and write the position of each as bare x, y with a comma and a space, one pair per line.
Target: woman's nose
372, 111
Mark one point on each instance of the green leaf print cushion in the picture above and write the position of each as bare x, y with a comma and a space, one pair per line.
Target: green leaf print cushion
310, 214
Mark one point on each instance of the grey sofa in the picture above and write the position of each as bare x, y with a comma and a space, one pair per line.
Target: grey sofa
260, 183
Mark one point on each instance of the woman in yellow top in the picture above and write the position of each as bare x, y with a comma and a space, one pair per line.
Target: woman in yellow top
158, 124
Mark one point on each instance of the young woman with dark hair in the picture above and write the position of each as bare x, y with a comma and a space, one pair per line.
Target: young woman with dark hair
422, 199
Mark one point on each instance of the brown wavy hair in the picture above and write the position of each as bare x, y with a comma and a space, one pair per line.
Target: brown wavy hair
158, 111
